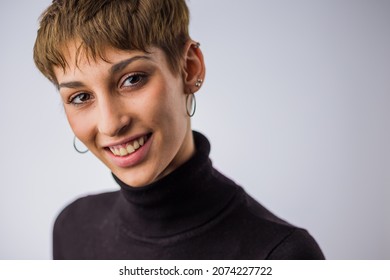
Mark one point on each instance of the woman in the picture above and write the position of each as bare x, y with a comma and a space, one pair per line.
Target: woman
127, 72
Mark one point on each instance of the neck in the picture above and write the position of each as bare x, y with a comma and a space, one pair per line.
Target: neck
185, 153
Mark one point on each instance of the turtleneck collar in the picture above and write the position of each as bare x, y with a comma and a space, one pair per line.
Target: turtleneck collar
183, 200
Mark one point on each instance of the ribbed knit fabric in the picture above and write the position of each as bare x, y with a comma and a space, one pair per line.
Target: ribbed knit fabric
192, 213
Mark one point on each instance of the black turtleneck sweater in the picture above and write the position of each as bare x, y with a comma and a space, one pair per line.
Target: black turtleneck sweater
195, 212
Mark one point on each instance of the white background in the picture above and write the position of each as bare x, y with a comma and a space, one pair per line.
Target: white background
280, 270
295, 104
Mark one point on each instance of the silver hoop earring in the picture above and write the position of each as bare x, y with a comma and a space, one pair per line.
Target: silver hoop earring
75, 147
191, 105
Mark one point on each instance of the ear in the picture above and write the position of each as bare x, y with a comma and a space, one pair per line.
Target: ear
194, 69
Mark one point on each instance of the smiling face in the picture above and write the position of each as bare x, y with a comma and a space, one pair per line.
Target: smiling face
130, 110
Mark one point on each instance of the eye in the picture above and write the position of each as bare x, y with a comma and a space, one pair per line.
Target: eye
80, 98
133, 80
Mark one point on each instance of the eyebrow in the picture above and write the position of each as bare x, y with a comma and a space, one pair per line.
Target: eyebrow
114, 69
122, 64
71, 85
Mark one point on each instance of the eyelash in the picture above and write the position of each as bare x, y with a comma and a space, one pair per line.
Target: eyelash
141, 80
78, 95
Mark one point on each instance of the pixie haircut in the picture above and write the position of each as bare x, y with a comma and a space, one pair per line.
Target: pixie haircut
121, 24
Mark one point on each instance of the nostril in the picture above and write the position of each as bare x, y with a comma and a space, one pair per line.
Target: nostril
124, 127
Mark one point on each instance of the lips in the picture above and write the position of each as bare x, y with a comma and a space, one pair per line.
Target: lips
128, 148
129, 152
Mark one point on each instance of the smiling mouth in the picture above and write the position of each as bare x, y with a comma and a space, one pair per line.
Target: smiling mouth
130, 147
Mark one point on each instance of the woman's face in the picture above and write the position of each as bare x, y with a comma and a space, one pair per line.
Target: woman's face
130, 111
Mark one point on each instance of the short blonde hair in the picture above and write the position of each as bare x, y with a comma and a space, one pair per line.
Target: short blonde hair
121, 24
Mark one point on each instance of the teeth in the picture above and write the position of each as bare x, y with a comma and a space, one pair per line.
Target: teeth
129, 149
123, 151
114, 151
136, 144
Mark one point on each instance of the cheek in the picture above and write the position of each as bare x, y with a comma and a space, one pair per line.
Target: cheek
168, 101
158, 103
81, 125
170, 114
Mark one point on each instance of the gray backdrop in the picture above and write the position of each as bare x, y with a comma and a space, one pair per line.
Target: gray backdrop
295, 103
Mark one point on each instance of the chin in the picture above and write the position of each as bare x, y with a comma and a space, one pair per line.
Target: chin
136, 179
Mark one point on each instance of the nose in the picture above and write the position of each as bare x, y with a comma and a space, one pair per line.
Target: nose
113, 118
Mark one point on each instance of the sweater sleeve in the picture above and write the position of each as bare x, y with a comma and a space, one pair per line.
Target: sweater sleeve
298, 245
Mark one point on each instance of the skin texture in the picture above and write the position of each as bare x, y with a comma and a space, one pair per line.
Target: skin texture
131, 94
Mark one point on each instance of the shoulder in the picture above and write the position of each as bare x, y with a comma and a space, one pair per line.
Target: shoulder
287, 241
85, 209
297, 245
260, 234
79, 223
